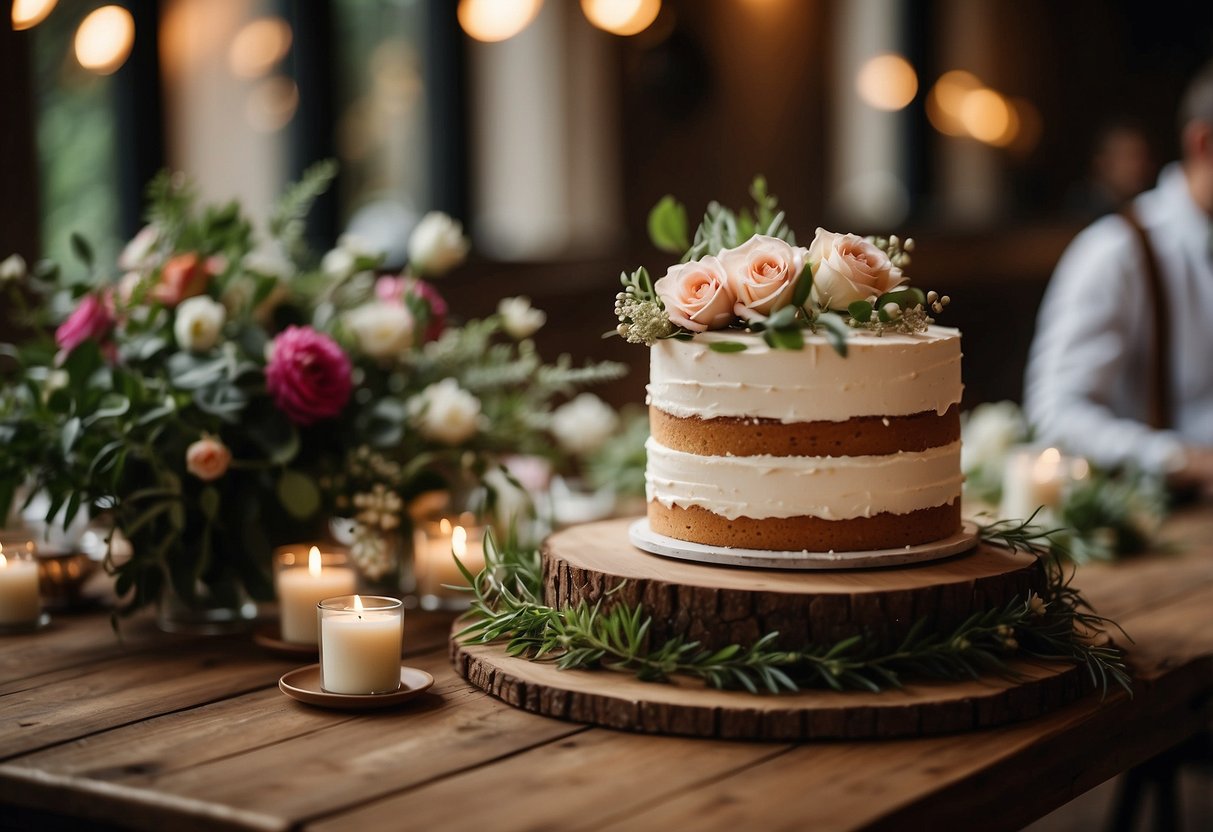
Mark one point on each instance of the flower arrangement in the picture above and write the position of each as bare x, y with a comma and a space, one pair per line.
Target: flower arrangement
222, 391
743, 270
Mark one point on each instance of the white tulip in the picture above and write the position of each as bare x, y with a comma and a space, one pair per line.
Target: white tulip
518, 318
199, 323
445, 412
583, 425
383, 330
12, 268
436, 245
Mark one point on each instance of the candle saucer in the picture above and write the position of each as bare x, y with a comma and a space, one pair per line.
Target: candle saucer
269, 636
43, 621
303, 684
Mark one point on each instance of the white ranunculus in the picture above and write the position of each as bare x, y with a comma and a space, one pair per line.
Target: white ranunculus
445, 412
584, 424
338, 264
12, 268
988, 432
199, 323
518, 318
138, 253
436, 245
383, 330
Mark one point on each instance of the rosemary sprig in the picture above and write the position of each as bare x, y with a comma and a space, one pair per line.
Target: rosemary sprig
1059, 625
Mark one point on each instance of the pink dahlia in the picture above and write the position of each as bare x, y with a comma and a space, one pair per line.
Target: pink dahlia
90, 321
308, 375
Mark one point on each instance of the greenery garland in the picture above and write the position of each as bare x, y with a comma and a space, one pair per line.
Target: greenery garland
1058, 625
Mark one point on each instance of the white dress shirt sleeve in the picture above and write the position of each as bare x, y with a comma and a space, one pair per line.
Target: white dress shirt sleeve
1086, 388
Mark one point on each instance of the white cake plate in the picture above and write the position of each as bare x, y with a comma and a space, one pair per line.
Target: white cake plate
643, 537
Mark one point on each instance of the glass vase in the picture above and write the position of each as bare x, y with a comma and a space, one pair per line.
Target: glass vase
214, 610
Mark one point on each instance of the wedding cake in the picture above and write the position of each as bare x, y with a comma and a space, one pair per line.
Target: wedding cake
778, 449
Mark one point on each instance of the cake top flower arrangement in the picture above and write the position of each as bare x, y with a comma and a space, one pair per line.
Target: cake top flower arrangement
744, 271
222, 390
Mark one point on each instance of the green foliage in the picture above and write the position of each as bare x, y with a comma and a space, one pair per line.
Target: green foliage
723, 228
668, 225
727, 346
288, 220
507, 607
620, 463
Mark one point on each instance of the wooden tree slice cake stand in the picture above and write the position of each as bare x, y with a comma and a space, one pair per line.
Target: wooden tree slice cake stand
720, 605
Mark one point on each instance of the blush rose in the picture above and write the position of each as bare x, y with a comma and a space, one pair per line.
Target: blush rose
848, 268
696, 295
207, 459
762, 275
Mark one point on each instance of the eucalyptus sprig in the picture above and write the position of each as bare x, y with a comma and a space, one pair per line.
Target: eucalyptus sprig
1059, 625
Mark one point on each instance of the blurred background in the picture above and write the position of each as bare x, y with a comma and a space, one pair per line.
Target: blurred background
989, 130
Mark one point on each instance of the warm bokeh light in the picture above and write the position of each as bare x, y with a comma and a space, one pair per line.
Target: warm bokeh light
496, 20
272, 104
887, 82
946, 99
621, 17
29, 13
985, 115
258, 46
104, 39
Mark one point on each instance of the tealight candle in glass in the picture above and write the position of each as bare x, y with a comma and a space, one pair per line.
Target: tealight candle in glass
360, 642
304, 575
1038, 480
20, 600
436, 545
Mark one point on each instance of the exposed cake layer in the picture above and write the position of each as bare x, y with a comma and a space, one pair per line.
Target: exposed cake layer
812, 534
891, 375
861, 436
829, 488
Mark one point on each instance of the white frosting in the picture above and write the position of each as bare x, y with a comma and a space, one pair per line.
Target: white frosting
832, 488
891, 375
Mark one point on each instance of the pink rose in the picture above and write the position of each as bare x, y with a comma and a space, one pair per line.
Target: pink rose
207, 459
696, 295
848, 268
308, 375
183, 276
762, 274
91, 320
396, 289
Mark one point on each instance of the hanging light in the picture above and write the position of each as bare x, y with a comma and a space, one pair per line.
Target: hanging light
496, 20
29, 13
104, 39
621, 17
887, 82
946, 99
985, 115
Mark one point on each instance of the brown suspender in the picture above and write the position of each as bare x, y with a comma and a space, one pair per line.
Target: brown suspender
1160, 377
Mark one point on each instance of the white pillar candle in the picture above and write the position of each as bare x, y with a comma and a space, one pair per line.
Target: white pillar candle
20, 602
1038, 480
434, 558
300, 590
360, 646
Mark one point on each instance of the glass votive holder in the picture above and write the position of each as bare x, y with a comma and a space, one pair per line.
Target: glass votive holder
20, 598
304, 575
1039, 480
360, 643
436, 544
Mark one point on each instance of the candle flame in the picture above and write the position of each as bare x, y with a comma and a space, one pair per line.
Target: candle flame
358, 605
3, 559
459, 541
313, 562
444, 526
1045, 469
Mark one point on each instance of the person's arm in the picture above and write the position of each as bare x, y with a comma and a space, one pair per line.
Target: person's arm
1084, 348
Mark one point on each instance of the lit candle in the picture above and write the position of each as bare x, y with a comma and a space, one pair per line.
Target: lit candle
20, 603
300, 590
434, 560
360, 644
1038, 480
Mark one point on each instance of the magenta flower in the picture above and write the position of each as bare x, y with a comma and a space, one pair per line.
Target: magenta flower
90, 321
308, 375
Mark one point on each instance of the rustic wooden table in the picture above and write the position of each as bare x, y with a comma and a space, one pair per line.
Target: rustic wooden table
162, 732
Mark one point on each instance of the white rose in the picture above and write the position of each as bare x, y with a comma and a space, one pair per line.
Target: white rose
445, 412
762, 274
12, 268
137, 254
199, 323
436, 245
583, 425
518, 318
383, 330
847, 268
338, 264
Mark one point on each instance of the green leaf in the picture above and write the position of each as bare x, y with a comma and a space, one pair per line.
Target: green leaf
70, 433
82, 250
861, 310
298, 494
208, 501
837, 332
906, 298
781, 318
668, 225
727, 346
804, 286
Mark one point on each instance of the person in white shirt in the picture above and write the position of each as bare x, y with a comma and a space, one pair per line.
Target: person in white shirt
1091, 385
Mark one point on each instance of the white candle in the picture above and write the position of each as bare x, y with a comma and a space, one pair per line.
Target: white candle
1034, 481
360, 649
300, 590
435, 558
20, 602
